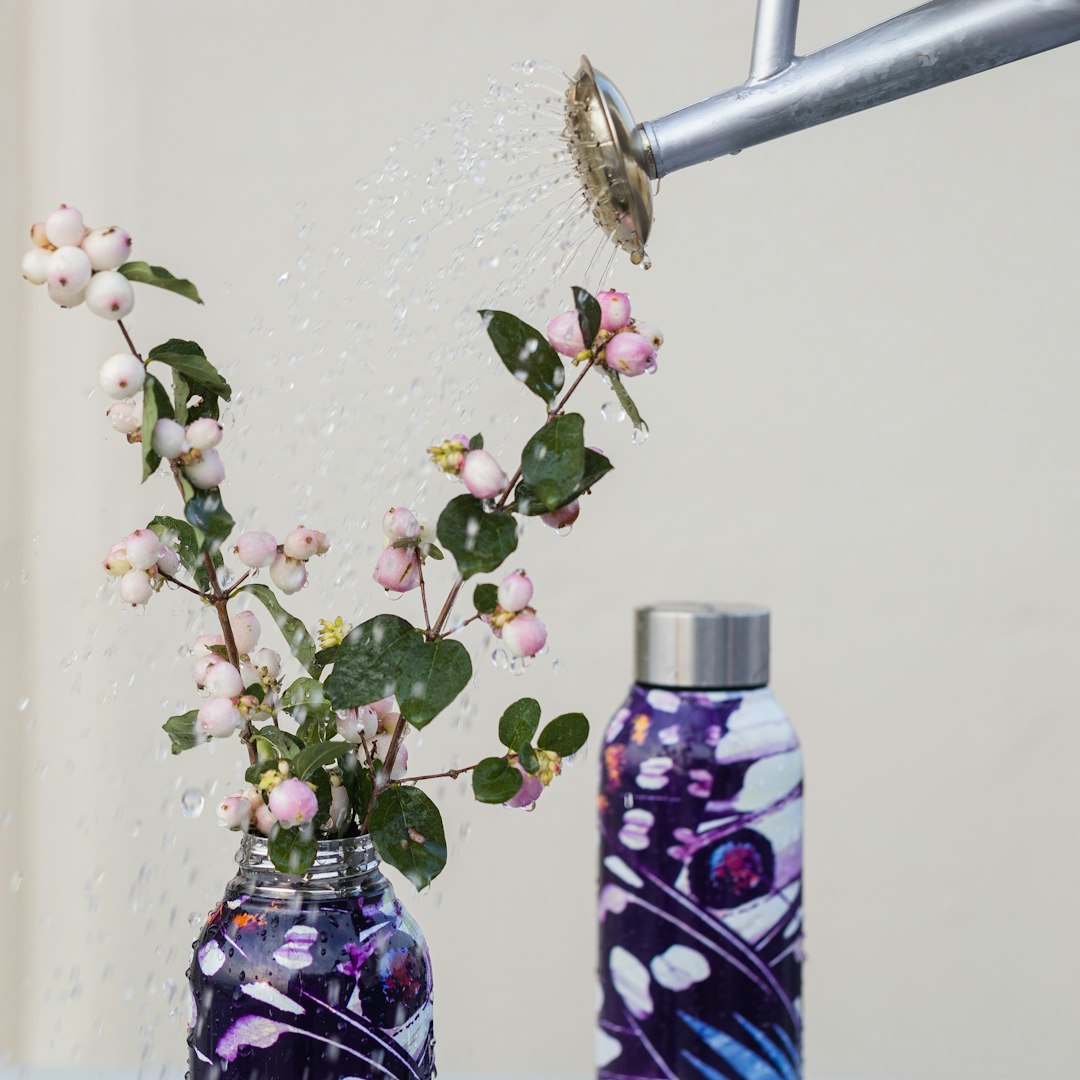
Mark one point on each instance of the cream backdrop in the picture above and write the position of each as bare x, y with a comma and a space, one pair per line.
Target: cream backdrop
865, 417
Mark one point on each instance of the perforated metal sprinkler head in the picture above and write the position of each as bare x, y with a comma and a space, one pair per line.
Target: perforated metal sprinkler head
937, 43
609, 157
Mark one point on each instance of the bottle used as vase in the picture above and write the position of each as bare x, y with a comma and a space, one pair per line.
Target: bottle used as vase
315, 977
701, 821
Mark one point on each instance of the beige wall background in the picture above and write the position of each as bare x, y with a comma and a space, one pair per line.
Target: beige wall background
865, 417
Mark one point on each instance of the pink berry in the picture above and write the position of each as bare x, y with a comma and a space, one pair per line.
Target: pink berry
301, 543
565, 515
515, 592
107, 248
116, 562
168, 439
64, 226
264, 818
68, 269
401, 763
289, 575
168, 562
400, 523
122, 375
125, 416
135, 587
206, 470
292, 802
64, 297
630, 354
203, 666
142, 548
110, 295
614, 310
266, 662
384, 707
219, 718
204, 433
234, 812
524, 635
256, 549
200, 648
532, 787
246, 630
649, 333
354, 723
35, 266
480, 473
398, 570
564, 334
223, 681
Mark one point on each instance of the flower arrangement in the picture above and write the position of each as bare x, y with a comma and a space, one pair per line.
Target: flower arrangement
326, 749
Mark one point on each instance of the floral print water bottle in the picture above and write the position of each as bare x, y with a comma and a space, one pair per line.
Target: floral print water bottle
701, 938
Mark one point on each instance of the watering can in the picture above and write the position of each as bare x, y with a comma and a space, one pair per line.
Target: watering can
617, 160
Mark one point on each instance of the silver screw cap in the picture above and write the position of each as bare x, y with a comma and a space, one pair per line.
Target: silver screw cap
703, 646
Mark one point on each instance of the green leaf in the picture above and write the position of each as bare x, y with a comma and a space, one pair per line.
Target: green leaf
313, 758
495, 780
528, 503
181, 537
367, 661
300, 642
357, 781
320, 782
479, 541
156, 406
408, 833
529, 761
526, 354
306, 702
553, 461
182, 733
145, 274
293, 851
430, 551
565, 735
519, 723
485, 598
432, 674
625, 400
325, 657
207, 513
253, 773
284, 744
188, 358
588, 313
476, 442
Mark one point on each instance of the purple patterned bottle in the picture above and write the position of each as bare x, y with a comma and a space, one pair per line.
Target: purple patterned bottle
319, 977
701, 940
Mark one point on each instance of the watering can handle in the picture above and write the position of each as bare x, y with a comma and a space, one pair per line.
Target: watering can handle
774, 38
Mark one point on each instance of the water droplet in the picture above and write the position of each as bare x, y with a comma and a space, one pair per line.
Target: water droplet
500, 658
192, 802
23, 704
15, 881
563, 530
612, 410
628, 801
284, 278
639, 435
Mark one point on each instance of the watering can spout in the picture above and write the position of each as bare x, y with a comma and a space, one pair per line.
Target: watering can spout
937, 43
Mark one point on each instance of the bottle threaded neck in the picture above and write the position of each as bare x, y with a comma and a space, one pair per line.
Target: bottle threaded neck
345, 867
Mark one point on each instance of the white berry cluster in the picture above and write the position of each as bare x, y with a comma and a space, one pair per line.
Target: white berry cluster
78, 263
228, 686
287, 560
193, 447
140, 561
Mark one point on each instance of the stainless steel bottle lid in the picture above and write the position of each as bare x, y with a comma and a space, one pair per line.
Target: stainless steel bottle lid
703, 646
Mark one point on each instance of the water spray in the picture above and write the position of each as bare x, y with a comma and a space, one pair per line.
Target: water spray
617, 159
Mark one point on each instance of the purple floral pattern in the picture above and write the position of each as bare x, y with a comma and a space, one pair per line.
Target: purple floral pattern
285, 989
700, 909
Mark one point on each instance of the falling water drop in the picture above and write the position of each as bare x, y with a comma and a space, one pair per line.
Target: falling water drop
500, 658
23, 704
612, 410
192, 802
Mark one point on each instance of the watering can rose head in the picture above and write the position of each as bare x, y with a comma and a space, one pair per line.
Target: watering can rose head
326, 742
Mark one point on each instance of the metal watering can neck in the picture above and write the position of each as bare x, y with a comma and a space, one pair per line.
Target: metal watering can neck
934, 44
